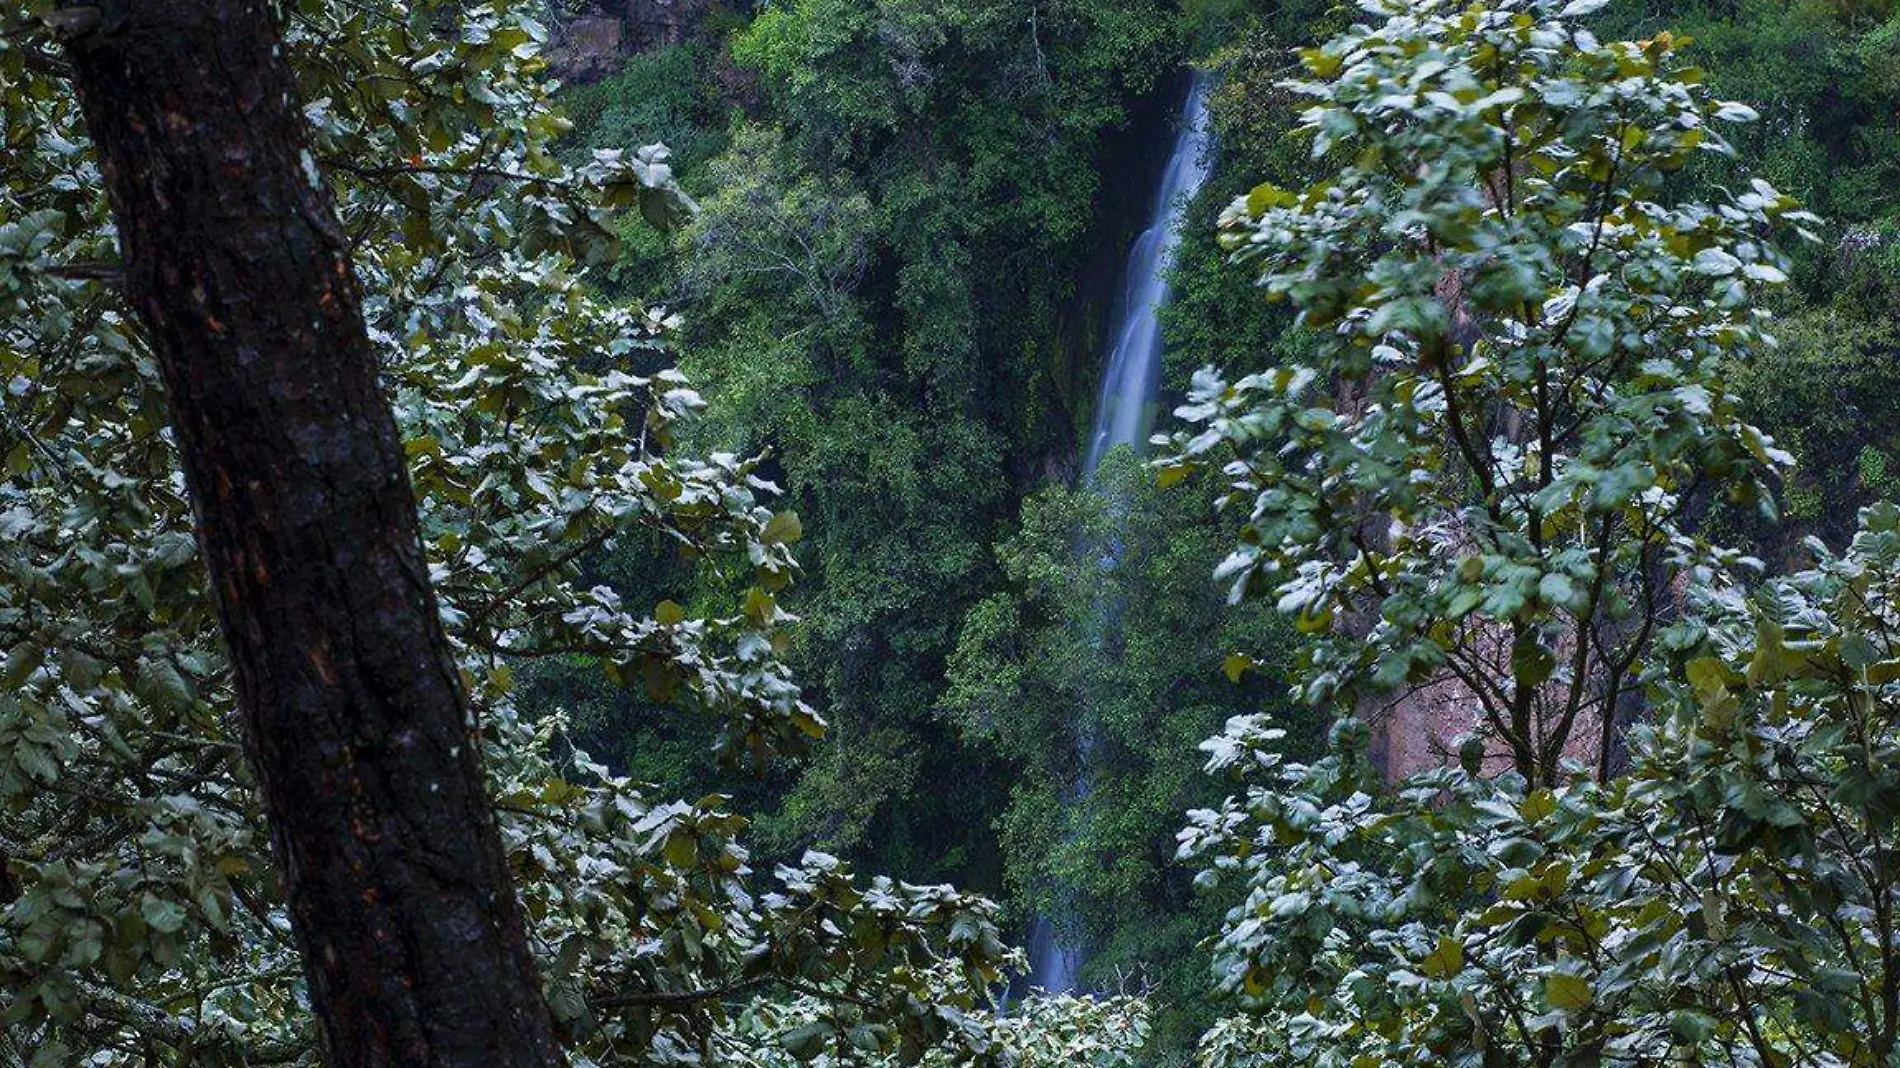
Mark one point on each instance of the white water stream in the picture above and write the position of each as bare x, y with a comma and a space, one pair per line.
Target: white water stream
1131, 378
1124, 415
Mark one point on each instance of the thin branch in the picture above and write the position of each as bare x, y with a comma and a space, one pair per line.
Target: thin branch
502, 599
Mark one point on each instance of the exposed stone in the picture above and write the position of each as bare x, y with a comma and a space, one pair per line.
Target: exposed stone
587, 48
659, 23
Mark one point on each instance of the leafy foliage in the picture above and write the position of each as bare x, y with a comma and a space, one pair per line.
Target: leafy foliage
1725, 902
1045, 1032
1096, 635
882, 290
1824, 79
1477, 448
141, 919
1517, 381
1534, 336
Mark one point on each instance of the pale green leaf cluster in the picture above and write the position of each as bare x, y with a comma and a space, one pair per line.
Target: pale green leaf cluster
1487, 475
1516, 384
1042, 1031
1729, 901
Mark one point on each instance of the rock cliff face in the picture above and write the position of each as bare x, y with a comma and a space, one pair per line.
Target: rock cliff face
657, 23
1422, 728
586, 48
592, 43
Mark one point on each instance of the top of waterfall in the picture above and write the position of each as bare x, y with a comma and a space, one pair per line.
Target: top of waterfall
1131, 373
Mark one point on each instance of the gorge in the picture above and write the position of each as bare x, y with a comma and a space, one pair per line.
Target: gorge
1124, 414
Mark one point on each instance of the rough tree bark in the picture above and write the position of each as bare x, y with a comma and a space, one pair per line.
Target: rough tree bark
355, 720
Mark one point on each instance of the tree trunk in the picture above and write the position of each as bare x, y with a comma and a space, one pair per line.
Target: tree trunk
355, 719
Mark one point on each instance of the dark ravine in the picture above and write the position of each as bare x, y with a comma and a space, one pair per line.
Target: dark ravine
1124, 412
1130, 162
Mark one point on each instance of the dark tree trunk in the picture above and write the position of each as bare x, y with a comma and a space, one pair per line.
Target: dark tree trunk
354, 715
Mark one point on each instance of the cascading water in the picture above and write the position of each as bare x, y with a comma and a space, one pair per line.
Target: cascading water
1124, 414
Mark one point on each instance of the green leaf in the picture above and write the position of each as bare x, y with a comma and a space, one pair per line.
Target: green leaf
808, 1041
1858, 652
760, 607
783, 527
1692, 1026
1558, 590
162, 684
1708, 675
1267, 196
1446, 960
165, 917
682, 849
1524, 887
1531, 663
566, 1002
22, 661
1322, 62
1570, 993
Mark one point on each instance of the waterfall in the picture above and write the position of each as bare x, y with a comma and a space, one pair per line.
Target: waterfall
1131, 377
1124, 415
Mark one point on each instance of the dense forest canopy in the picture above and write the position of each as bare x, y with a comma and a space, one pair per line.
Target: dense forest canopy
560, 531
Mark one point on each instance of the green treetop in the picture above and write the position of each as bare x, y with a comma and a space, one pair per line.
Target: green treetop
1514, 394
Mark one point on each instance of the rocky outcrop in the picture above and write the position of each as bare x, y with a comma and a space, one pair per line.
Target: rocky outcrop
592, 44
587, 48
659, 23
1428, 726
